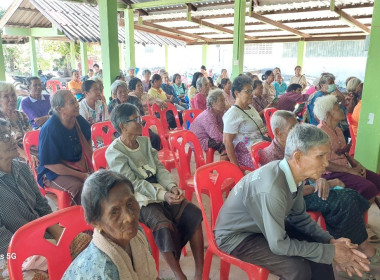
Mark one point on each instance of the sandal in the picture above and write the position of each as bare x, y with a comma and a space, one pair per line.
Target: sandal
372, 237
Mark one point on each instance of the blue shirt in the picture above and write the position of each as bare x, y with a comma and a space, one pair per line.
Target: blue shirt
57, 143
170, 90
92, 263
310, 107
280, 89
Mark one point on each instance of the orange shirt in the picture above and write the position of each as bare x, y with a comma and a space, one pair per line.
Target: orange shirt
74, 85
355, 118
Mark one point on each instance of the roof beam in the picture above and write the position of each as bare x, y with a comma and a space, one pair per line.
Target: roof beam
279, 25
288, 40
178, 32
217, 27
160, 33
159, 3
34, 32
129, 4
348, 18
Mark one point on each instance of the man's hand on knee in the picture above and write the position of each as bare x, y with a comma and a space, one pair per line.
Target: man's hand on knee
349, 259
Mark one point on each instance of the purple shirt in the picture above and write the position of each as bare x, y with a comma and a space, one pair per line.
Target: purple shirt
34, 108
199, 102
208, 125
289, 100
273, 152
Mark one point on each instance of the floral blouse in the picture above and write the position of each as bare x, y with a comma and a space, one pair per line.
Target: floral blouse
19, 126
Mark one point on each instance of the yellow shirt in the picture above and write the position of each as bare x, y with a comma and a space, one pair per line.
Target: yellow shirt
74, 85
160, 93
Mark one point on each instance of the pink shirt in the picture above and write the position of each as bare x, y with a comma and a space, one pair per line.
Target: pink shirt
273, 152
337, 142
199, 102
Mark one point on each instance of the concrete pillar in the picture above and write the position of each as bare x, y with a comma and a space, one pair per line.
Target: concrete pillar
368, 140
129, 39
33, 56
239, 30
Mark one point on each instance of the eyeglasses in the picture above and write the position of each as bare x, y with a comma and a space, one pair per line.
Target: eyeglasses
137, 120
6, 137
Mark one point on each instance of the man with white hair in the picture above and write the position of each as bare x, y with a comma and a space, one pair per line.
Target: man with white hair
264, 220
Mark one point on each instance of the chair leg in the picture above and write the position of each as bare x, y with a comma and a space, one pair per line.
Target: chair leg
189, 194
224, 270
207, 265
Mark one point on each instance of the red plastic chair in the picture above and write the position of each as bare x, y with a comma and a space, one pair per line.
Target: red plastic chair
162, 113
29, 240
190, 115
181, 141
54, 85
165, 155
99, 158
353, 138
103, 130
255, 152
203, 184
210, 155
31, 140
268, 112
317, 217
99, 162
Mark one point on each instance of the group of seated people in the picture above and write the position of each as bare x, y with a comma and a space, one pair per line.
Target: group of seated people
304, 162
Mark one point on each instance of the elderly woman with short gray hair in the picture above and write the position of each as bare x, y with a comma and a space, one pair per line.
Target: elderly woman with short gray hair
341, 165
199, 100
173, 220
120, 92
118, 250
65, 147
208, 126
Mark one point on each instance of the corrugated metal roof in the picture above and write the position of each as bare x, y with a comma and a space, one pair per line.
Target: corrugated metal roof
77, 21
213, 21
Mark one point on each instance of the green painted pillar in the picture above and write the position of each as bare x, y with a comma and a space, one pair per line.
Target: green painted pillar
238, 47
72, 56
129, 39
83, 58
166, 58
204, 55
301, 52
368, 140
109, 41
2, 61
33, 56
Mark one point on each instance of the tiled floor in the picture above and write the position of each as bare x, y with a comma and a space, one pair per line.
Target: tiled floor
187, 263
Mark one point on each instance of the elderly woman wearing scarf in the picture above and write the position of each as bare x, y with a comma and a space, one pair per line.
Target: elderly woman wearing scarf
119, 250
64, 147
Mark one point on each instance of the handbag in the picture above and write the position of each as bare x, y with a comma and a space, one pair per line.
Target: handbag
265, 138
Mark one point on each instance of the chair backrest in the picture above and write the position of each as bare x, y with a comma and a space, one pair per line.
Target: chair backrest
189, 115
153, 121
206, 184
182, 143
54, 85
104, 130
162, 113
255, 152
31, 140
29, 240
99, 158
268, 112
352, 135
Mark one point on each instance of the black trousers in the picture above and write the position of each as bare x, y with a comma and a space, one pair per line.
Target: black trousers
255, 249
